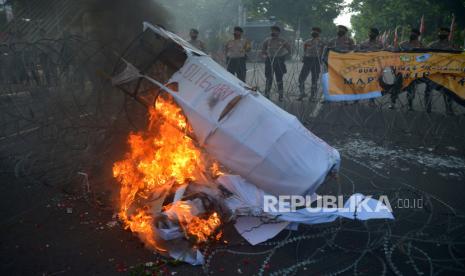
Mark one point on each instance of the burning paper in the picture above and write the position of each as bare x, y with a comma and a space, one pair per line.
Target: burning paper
162, 160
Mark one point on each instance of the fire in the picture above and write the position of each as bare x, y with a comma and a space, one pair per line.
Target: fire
159, 159
202, 229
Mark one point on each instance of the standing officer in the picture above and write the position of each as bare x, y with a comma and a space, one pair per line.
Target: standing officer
342, 42
236, 54
372, 44
275, 50
194, 34
313, 50
409, 45
413, 42
442, 43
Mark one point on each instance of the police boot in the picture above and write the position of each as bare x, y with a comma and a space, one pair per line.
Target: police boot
448, 103
313, 91
268, 88
428, 102
281, 91
410, 97
410, 105
449, 110
393, 93
393, 104
302, 91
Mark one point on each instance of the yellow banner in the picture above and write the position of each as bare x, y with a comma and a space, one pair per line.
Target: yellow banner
355, 75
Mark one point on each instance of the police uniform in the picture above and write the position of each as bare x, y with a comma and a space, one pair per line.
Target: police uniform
439, 45
370, 45
275, 50
343, 43
409, 45
236, 55
313, 50
198, 44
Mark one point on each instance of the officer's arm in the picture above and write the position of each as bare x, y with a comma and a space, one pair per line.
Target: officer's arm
264, 48
322, 48
305, 46
247, 46
225, 48
288, 47
202, 46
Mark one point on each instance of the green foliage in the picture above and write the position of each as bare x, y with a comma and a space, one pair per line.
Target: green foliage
305, 13
205, 15
387, 14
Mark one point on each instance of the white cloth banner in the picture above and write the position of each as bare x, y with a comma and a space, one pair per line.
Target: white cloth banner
248, 199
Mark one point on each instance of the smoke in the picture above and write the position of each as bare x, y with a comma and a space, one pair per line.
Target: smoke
211, 17
118, 22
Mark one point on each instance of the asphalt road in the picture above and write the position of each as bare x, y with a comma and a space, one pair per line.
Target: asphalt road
52, 226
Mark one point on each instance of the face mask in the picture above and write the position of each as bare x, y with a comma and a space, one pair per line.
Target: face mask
442, 36
341, 33
372, 36
413, 37
193, 37
274, 34
315, 34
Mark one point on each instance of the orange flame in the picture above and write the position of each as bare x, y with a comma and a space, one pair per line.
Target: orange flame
159, 158
202, 229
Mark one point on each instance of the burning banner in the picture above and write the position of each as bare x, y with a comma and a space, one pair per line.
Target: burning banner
212, 150
355, 75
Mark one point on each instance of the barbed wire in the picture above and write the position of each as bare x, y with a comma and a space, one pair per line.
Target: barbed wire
60, 119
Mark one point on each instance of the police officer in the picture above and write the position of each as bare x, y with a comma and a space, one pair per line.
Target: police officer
275, 50
236, 54
372, 44
412, 43
194, 34
442, 43
342, 42
313, 50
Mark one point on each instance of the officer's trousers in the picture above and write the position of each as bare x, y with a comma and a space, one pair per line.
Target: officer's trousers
311, 65
237, 66
427, 98
277, 67
446, 97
